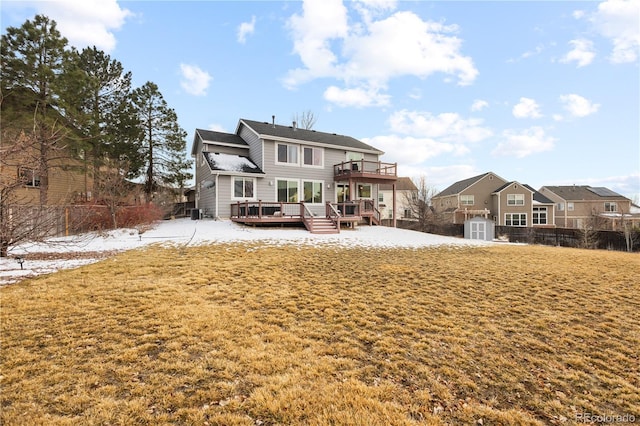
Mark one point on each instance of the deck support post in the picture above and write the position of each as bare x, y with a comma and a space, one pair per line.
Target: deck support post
394, 204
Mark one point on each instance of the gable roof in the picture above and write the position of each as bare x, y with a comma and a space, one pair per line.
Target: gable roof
270, 131
230, 163
584, 193
461, 185
217, 138
539, 197
402, 184
506, 185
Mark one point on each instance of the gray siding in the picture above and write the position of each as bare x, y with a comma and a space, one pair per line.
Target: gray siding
255, 146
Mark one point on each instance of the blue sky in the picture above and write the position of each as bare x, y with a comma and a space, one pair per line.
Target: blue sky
544, 93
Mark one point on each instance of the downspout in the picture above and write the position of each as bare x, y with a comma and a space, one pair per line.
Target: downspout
499, 212
216, 198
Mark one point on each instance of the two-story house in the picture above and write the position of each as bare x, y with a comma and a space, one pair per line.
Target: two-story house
576, 205
492, 197
270, 173
406, 195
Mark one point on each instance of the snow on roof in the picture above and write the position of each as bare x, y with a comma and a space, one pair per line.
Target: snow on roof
231, 163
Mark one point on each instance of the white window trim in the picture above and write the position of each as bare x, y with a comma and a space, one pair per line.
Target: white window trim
570, 206
515, 199
468, 197
358, 196
30, 177
354, 153
312, 166
611, 204
297, 181
233, 189
539, 210
519, 219
301, 186
290, 164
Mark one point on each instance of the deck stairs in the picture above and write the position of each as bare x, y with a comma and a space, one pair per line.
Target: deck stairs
322, 225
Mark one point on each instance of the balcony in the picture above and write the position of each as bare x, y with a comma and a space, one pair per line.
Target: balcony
365, 171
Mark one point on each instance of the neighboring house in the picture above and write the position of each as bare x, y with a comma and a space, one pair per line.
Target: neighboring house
266, 172
577, 205
515, 204
68, 179
492, 197
468, 198
406, 194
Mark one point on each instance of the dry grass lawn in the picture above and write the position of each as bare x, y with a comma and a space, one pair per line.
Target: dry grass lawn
246, 334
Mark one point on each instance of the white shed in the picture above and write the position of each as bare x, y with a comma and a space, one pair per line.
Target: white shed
479, 228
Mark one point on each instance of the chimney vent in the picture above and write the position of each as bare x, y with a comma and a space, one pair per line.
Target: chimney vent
294, 125
273, 121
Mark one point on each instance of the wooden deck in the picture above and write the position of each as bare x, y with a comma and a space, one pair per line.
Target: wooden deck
365, 171
273, 213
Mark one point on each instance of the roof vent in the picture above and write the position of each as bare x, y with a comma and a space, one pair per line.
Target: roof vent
295, 127
273, 121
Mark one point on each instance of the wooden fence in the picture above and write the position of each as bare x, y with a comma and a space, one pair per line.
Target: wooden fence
563, 237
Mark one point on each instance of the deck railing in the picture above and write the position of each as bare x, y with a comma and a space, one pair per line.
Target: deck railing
333, 214
260, 209
389, 170
307, 217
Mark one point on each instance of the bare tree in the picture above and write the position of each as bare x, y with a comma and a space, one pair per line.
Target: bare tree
419, 204
113, 188
21, 219
306, 120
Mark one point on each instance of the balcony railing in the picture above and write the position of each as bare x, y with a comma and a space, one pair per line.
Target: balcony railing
366, 171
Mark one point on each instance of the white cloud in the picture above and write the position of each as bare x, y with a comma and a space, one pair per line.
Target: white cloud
194, 80
578, 106
245, 29
442, 177
523, 143
619, 21
445, 127
85, 23
527, 108
408, 150
216, 127
418, 136
368, 53
358, 97
582, 52
479, 105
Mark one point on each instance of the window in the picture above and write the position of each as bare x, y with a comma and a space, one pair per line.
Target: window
288, 191
515, 199
355, 156
29, 176
312, 192
610, 207
380, 197
287, 154
243, 188
560, 207
312, 156
407, 214
342, 192
570, 206
364, 191
515, 219
539, 216
466, 200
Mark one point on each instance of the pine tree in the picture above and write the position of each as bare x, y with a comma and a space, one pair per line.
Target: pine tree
32, 59
163, 142
104, 111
